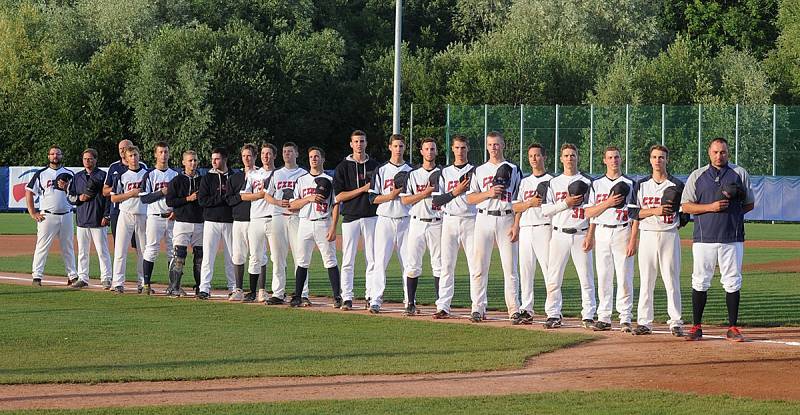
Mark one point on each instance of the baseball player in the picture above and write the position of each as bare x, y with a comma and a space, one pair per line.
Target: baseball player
657, 226
260, 221
160, 218
116, 169
53, 219
493, 188
181, 196
392, 224
351, 183
319, 213
534, 229
425, 227
240, 209
132, 218
609, 208
217, 221
285, 223
566, 201
93, 215
458, 221
718, 195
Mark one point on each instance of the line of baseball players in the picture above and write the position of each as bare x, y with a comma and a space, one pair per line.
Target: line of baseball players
540, 219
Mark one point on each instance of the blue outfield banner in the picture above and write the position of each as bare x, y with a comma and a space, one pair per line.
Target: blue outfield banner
777, 197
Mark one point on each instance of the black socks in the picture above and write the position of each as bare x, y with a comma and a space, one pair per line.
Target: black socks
411, 287
698, 305
336, 282
238, 271
147, 269
253, 282
300, 275
732, 301
435, 288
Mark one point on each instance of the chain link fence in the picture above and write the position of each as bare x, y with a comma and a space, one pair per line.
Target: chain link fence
763, 139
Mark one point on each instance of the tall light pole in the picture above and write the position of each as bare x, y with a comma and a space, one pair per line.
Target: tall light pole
398, 26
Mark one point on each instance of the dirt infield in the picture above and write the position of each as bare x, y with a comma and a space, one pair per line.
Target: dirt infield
755, 369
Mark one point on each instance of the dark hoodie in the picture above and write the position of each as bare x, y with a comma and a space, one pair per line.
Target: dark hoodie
350, 175
178, 189
211, 197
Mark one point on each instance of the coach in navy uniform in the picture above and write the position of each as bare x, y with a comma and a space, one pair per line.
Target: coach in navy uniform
718, 195
93, 214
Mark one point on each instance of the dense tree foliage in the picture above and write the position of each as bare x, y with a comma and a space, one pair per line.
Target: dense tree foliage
203, 73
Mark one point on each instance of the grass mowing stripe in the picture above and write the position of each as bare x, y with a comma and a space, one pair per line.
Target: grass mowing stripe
57, 335
578, 403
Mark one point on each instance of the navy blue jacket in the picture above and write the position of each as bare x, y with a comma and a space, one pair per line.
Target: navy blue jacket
703, 187
89, 213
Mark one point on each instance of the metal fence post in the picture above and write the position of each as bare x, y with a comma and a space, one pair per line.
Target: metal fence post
627, 134
411, 137
663, 123
736, 138
591, 139
521, 130
485, 128
699, 131
774, 137
447, 134
555, 149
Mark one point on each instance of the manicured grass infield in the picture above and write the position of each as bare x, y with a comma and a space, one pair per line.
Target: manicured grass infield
57, 335
578, 403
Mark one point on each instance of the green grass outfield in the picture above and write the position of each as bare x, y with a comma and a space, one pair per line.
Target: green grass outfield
768, 298
578, 403
57, 335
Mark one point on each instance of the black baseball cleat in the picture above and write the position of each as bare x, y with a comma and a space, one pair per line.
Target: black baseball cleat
118, 290
249, 297
587, 323
37, 282
601, 326
525, 317
375, 309
296, 302
305, 302
71, 281
441, 315
274, 301
625, 328
410, 310
676, 331
337, 302
475, 317
515, 319
77, 285
203, 295
642, 330
553, 323
347, 305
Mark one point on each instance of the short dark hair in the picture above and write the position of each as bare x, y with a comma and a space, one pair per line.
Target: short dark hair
251, 147
658, 147
611, 148
397, 137
321, 151
719, 140
536, 145
358, 133
460, 137
568, 146
161, 144
91, 151
221, 151
426, 140
269, 146
291, 144
495, 134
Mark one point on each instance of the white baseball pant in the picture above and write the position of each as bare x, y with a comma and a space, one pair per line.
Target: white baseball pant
282, 237
128, 224
488, 231
241, 246
456, 231
659, 250
186, 233
53, 226
610, 258
562, 246
257, 234
707, 255
351, 232
312, 233
423, 235
98, 236
390, 234
158, 229
534, 246
213, 233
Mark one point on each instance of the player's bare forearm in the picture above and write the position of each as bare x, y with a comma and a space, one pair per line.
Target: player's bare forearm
520, 207
646, 213
385, 198
517, 218
594, 211
29, 203
410, 200
120, 198
106, 190
271, 200
475, 198
351, 194
251, 197
699, 208
298, 204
